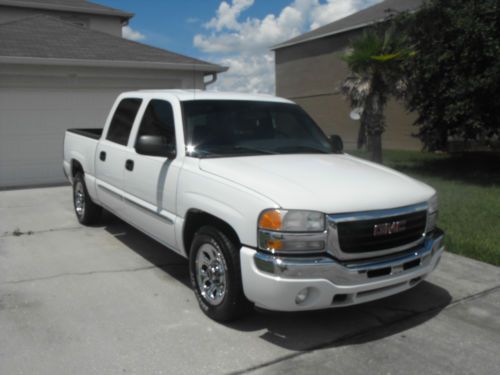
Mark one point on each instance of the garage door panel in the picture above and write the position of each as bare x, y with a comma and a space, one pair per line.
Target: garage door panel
33, 148
44, 99
50, 122
28, 173
32, 125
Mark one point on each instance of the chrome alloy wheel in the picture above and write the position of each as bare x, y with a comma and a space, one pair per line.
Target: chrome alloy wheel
79, 199
210, 268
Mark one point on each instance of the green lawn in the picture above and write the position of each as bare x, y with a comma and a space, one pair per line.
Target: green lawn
468, 187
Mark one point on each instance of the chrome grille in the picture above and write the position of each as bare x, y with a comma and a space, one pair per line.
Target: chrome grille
358, 236
351, 235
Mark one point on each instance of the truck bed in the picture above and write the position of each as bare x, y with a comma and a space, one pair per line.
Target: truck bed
94, 133
81, 145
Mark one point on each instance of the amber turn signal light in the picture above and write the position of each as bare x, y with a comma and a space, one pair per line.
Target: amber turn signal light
270, 220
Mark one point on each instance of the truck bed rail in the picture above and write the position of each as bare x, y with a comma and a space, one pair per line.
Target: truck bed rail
94, 133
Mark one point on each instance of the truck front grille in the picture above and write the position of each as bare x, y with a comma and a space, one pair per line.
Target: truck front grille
381, 233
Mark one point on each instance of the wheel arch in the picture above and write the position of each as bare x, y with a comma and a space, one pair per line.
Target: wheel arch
195, 219
76, 167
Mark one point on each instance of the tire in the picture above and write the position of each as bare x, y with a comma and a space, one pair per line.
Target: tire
87, 212
214, 269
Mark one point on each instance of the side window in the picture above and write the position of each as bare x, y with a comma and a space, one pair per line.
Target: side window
122, 121
158, 120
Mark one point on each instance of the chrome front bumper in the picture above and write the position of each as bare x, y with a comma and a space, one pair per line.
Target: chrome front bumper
352, 272
274, 282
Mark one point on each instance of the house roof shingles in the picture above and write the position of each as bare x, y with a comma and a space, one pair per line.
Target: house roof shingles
46, 37
373, 14
78, 6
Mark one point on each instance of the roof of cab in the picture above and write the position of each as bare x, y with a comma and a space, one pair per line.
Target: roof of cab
189, 95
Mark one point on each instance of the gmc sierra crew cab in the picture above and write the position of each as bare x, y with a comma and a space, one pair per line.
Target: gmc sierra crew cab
269, 211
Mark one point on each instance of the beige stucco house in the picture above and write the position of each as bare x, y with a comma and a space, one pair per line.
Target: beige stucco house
309, 70
62, 63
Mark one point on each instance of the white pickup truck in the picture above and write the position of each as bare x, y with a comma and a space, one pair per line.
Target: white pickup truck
268, 210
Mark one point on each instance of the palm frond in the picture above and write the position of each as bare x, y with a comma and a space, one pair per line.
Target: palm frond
358, 57
356, 88
374, 50
386, 57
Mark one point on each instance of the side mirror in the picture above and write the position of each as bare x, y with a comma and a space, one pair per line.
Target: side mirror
337, 144
155, 145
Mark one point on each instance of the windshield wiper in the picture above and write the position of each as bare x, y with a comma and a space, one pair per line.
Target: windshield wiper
302, 149
228, 151
245, 148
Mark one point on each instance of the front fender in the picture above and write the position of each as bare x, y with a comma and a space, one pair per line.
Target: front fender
229, 202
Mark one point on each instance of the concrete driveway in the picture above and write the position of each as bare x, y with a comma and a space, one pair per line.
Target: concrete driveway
108, 300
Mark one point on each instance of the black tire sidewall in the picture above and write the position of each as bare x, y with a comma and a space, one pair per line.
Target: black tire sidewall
92, 211
230, 306
79, 179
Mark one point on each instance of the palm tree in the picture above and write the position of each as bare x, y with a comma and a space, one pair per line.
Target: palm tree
376, 73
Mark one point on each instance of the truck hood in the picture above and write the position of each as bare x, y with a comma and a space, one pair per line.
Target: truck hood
326, 183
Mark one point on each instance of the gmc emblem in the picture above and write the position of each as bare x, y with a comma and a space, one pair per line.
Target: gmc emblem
389, 228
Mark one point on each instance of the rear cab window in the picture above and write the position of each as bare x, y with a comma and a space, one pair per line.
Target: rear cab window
122, 121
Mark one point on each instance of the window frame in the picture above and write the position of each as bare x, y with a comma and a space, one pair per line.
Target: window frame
140, 102
146, 105
185, 128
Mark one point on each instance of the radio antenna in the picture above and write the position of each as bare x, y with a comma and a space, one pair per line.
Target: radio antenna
194, 82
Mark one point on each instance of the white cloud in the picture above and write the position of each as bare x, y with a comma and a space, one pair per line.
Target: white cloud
243, 45
129, 33
227, 15
253, 34
247, 73
335, 9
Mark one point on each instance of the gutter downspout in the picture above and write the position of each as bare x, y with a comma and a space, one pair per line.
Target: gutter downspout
212, 80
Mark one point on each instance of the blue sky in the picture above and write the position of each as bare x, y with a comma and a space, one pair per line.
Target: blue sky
233, 33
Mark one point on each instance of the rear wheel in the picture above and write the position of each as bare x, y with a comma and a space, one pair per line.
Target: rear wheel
214, 269
87, 212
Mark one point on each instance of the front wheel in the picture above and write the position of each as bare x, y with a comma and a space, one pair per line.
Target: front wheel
214, 269
87, 212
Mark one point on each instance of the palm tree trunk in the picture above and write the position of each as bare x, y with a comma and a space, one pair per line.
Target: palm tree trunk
375, 124
362, 132
376, 147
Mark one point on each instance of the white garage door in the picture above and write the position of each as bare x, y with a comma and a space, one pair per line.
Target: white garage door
32, 125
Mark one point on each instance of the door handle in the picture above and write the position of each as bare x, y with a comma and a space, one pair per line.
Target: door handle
129, 165
102, 155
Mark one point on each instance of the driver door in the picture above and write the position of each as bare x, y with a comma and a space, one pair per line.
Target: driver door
150, 181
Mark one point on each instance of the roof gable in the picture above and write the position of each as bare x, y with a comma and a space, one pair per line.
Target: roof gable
365, 17
46, 37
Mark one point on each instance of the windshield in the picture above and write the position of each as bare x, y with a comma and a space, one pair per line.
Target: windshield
218, 128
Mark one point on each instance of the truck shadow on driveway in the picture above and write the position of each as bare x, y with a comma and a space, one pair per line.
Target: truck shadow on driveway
303, 331
158, 255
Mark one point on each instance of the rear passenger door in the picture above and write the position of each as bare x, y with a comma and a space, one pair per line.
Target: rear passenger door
112, 155
151, 181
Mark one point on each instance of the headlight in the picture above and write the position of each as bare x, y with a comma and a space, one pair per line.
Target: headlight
291, 231
292, 221
432, 213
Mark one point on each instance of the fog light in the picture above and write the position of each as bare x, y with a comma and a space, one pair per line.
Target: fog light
436, 247
274, 244
302, 296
